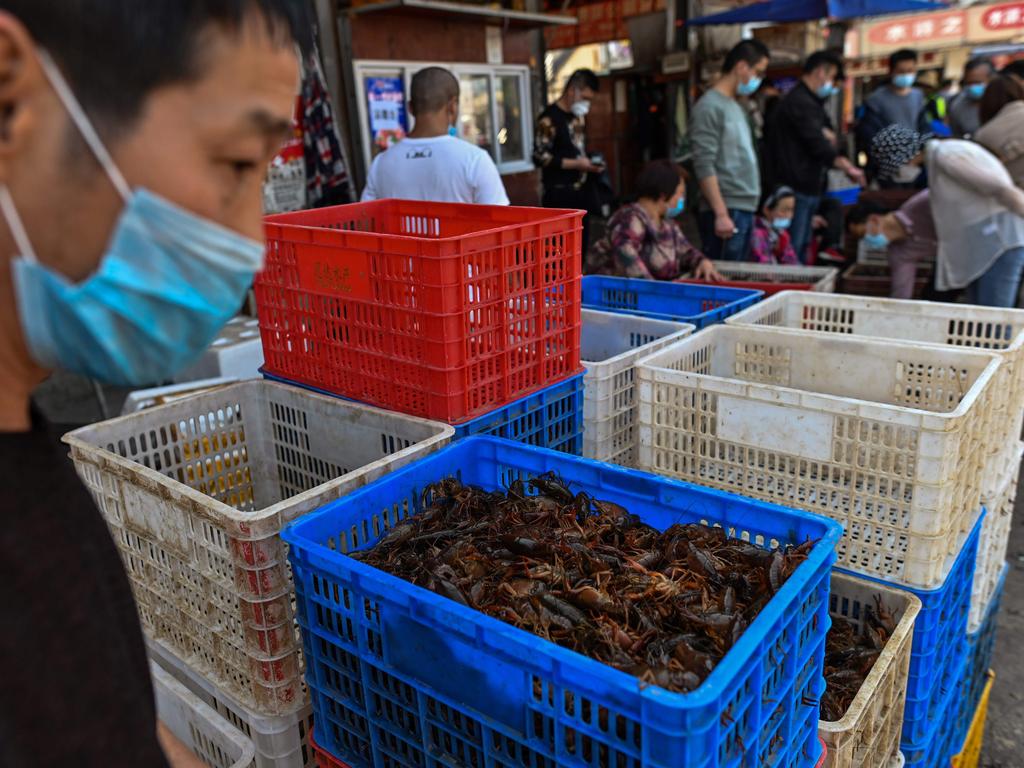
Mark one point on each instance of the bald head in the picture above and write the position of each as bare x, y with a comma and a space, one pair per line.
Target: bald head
432, 90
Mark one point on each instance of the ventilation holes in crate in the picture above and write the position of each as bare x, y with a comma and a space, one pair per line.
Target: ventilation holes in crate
979, 333
824, 318
762, 363
348, 729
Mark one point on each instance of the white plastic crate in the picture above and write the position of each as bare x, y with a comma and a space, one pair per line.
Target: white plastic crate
280, 741
236, 353
141, 399
198, 726
992, 546
886, 438
957, 325
868, 735
816, 278
610, 345
196, 492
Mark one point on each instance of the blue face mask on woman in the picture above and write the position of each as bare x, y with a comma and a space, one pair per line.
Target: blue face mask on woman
676, 209
876, 241
168, 282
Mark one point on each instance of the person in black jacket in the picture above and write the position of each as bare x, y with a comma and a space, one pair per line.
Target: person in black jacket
801, 143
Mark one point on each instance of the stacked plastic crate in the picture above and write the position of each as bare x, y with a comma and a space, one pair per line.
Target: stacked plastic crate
889, 438
196, 493
403, 676
954, 328
465, 314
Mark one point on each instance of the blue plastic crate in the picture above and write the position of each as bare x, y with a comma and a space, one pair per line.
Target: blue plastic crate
939, 648
980, 646
551, 418
946, 735
702, 305
848, 196
401, 676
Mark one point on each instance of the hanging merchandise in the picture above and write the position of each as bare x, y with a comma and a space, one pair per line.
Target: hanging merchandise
327, 181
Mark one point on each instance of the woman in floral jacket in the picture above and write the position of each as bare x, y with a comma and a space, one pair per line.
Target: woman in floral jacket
643, 240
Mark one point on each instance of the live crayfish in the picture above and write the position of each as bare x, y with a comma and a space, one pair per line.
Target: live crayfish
665, 606
851, 654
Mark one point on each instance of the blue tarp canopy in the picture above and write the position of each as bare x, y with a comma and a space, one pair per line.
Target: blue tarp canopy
781, 11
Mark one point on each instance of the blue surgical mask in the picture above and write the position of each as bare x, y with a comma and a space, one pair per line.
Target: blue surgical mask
750, 87
780, 224
453, 131
876, 242
904, 81
676, 209
166, 285
976, 91
828, 89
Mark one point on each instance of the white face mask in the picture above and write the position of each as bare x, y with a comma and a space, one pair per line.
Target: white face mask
581, 108
907, 174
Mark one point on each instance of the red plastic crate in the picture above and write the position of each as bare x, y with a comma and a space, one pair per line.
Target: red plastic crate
323, 759
439, 310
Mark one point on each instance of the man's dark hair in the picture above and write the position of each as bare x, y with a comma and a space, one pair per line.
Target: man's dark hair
998, 94
903, 54
116, 52
825, 59
583, 78
431, 90
659, 179
979, 61
1015, 68
750, 51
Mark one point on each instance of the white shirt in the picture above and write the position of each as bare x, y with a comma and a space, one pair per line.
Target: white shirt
441, 169
978, 212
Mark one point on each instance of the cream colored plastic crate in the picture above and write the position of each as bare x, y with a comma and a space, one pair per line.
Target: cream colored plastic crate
212, 738
886, 438
279, 741
196, 492
957, 325
818, 278
610, 345
868, 735
992, 546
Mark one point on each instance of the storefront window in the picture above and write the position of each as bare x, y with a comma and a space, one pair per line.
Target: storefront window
494, 109
510, 118
475, 112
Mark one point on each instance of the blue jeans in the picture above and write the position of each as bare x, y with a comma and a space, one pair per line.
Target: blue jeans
800, 230
999, 286
737, 247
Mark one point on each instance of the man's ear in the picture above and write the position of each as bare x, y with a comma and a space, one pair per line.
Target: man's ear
20, 78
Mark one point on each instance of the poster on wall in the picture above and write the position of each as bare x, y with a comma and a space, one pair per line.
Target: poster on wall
385, 109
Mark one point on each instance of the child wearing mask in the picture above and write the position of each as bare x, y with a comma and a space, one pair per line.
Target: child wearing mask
908, 236
771, 240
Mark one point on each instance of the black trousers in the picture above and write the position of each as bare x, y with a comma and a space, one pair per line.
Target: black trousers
583, 199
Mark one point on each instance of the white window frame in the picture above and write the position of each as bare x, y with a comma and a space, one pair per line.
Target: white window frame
363, 68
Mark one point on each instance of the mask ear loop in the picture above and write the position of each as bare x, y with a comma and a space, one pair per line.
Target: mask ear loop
18, 232
84, 125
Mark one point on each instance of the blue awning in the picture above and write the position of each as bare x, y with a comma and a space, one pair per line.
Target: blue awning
782, 11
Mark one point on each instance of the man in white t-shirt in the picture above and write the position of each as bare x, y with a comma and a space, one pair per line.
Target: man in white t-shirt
432, 163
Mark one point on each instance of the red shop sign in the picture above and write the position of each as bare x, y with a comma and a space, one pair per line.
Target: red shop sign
1006, 16
931, 26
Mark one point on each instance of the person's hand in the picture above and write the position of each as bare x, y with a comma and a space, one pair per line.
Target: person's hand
706, 272
856, 175
819, 222
590, 167
830, 135
724, 226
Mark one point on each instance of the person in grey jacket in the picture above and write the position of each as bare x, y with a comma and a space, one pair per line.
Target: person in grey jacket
963, 109
724, 156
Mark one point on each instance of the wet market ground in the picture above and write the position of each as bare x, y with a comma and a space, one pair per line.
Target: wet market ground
71, 401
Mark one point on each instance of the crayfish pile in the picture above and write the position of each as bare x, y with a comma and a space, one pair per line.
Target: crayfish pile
850, 655
586, 574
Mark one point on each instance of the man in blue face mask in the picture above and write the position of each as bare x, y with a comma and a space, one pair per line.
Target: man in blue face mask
724, 156
802, 145
963, 109
897, 102
134, 138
